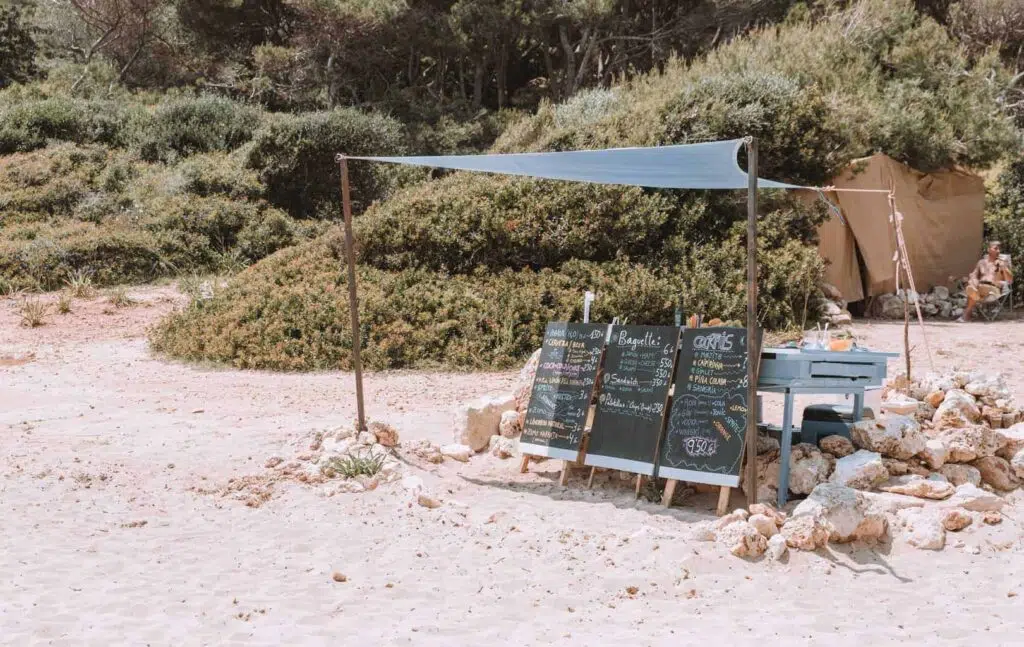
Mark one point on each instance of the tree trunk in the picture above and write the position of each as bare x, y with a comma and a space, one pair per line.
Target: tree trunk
569, 66
502, 79
550, 66
462, 79
478, 82
332, 84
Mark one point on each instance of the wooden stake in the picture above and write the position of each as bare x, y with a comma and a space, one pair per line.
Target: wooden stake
353, 298
590, 479
564, 478
670, 491
639, 485
525, 464
753, 350
723, 501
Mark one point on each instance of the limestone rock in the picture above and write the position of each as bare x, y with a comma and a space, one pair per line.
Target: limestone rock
766, 444
934, 453
997, 472
895, 467
941, 292
704, 531
891, 306
956, 519
742, 539
767, 476
524, 385
982, 385
923, 529
992, 518
958, 409
1017, 463
808, 467
861, 470
886, 503
731, 518
425, 450
385, 434
502, 447
899, 404
805, 533
508, 425
366, 439
1014, 441
914, 485
959, 474
768, 511
970, 497
764, 524
935, 398
475, 422
777, 548
836, 445
844, 512
895, 436
457, 452
428, 501
970, 442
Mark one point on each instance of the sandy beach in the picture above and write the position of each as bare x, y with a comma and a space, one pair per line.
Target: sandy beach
118, 527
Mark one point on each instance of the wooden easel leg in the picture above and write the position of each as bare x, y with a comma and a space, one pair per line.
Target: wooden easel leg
525, 465
670, 491
590, 480
639, 485
723, 501
564, 478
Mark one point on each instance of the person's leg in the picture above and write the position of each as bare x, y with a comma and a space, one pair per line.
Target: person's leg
972, 300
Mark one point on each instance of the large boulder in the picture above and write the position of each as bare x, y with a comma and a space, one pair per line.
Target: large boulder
970, 497
958, 409
742, 539
808, 467
844, 512
895, 436
475, 422
997, 472
971, 442
836, 445
767, 476
958, 474
898, 404
510, 425
861, 470
765, 524
1014, 441
890, 306
984, 385
914, 485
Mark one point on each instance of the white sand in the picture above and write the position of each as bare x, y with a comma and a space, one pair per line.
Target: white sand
96, 435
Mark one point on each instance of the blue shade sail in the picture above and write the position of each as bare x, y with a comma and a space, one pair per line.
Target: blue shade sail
711, 165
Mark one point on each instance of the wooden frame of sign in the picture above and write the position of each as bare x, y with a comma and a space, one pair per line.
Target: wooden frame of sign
629, 419
705, 437
562, 392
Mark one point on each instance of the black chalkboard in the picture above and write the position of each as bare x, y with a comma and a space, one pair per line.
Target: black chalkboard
562, 390
708, 418
630, 412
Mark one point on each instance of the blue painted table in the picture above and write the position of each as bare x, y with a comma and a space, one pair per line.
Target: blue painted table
794, 371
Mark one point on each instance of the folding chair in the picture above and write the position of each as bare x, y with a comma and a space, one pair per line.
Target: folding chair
991, 307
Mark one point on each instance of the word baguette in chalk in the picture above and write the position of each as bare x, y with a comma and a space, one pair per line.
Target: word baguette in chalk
649, 340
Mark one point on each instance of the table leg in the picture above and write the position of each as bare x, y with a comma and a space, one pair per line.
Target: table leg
858, 406
787, 445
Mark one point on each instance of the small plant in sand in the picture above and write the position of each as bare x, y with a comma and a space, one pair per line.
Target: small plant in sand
197, 289
119, 298
64, 301
353, 464
79, 284
33, 312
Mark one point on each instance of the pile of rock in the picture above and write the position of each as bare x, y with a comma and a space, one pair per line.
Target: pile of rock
956, 439
940, 302
832, 306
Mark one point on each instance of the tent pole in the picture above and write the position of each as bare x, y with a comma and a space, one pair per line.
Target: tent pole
353, 298
753, 352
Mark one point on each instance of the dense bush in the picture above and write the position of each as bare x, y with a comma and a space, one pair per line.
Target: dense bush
1004, 219
294, 156
194, 125
29, 125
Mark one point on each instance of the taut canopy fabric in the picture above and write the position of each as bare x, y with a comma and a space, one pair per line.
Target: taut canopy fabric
943, 215
711, 165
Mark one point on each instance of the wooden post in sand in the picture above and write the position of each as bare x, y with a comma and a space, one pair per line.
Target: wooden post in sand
353, 298
753, 347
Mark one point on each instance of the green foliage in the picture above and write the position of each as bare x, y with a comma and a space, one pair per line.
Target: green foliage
355, 463
17, 48
295, 160
31, 124
194, 125
33, 312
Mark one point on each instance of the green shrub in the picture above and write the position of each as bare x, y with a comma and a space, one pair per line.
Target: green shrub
217, 173
51, 181
29, 125
1004, 219
294, 156
469, 220
265, 233
187, 126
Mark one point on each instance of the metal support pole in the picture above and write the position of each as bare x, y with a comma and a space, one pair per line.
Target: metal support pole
353, 298
753, 350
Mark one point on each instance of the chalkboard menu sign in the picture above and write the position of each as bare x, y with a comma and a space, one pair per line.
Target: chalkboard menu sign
562, 390
708, 420
634, 391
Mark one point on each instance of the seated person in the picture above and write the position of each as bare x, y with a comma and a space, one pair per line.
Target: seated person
987, 279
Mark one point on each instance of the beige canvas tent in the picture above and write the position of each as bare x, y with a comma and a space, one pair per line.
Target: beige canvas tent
942, 223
